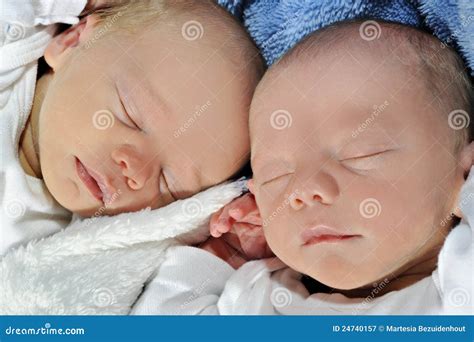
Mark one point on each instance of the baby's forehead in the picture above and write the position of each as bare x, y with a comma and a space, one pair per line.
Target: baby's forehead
336, 66
336, 86
340, 62
336, 109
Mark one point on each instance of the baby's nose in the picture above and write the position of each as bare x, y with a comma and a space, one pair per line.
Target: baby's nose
320, 188
133, 166
306, 198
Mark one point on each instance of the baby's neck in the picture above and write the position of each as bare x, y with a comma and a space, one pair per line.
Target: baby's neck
407, 275
28, 148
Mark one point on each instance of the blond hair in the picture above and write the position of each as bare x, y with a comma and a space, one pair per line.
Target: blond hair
128, 16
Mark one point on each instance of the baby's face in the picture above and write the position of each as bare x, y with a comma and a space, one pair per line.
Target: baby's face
139, 121
361, 153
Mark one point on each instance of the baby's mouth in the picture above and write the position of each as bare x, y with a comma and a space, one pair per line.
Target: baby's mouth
89, 181
324, 234
94, 183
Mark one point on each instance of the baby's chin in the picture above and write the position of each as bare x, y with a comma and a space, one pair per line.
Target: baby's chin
84, 212
336, 280
74, 206
338, 274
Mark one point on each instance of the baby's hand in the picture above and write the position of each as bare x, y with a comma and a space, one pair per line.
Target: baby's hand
240, 225
243, 210
223, 250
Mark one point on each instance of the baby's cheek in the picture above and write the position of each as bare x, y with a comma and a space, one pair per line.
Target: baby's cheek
279, 229
269, 204
274, 239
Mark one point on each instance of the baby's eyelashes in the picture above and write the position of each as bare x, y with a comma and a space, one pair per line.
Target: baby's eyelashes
274, 170
124, 118
273, 178
127, 119
365, 162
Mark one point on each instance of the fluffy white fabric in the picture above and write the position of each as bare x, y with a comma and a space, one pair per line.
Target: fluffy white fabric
99, 265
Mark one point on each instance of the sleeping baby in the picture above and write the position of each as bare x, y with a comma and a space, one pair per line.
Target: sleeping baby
360, 149
142, 103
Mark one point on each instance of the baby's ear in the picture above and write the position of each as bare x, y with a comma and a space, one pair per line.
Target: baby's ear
251, 187
467, 158
466, 161
67, 40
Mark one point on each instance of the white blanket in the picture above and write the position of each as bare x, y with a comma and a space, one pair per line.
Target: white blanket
100, 265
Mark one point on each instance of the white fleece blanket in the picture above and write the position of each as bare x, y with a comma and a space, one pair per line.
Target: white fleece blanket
100, 265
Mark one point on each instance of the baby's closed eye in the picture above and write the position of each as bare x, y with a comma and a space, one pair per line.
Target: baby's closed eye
272, 171
365, 161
